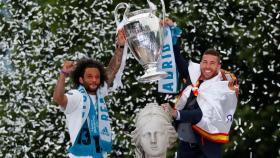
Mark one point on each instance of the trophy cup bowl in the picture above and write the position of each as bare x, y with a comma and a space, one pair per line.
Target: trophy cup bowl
144, 35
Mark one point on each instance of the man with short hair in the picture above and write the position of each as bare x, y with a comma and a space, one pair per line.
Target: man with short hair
204, 112
84, 106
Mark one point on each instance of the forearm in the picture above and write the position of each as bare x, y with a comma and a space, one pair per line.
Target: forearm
114, 65
182, 64
190, 116
58, 94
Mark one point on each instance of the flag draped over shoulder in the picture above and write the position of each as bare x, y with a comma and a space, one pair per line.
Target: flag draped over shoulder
217, 103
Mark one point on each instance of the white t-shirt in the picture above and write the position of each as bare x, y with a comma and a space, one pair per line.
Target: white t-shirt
73, 112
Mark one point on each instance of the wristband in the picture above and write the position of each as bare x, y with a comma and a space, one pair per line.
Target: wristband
66, 74
119, 46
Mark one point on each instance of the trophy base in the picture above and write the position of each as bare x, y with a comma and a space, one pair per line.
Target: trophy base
152, 75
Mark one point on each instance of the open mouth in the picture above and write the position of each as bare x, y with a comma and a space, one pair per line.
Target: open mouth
208, 72
92, 86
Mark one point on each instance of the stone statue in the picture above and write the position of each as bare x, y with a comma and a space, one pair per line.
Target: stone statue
154, 133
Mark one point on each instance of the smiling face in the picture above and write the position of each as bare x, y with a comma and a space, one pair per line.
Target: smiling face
91, 80
209, 66
154, 139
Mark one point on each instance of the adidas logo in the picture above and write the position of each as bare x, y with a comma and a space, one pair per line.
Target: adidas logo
105, 131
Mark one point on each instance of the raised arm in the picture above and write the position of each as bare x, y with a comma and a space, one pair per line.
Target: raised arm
115, 61
182, 64
58, 94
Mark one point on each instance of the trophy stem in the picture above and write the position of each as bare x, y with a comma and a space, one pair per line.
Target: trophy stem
152, 75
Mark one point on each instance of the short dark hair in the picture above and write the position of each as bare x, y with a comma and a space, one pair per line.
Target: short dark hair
81, 66
214, 53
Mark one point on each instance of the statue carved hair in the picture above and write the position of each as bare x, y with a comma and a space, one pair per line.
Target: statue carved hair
152, 112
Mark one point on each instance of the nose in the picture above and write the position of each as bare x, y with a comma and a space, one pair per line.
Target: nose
94, 79
153, 138
207, 66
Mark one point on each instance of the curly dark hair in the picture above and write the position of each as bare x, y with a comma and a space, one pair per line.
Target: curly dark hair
81, 66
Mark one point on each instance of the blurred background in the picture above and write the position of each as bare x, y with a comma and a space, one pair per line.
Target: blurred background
36, 36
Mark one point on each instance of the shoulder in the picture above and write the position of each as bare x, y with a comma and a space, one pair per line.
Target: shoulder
73, 93
194, 71
232, 80
74, 100
194, 64
104, 89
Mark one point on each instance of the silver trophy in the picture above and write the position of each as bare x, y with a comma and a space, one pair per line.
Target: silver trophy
144, 35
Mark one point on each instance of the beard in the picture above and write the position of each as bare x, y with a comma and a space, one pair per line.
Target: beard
91, 89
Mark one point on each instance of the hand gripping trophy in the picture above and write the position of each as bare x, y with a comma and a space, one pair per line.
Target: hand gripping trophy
144, 35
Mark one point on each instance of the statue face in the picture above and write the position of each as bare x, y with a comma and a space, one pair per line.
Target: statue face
154, 138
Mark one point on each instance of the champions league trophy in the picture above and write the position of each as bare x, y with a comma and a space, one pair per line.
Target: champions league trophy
144, 35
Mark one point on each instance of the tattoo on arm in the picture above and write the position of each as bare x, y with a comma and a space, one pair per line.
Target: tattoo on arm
114, 65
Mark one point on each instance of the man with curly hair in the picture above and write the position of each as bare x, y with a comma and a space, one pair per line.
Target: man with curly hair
84, 106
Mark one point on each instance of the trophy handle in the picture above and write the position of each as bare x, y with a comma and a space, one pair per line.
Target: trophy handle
154, 8
121, 5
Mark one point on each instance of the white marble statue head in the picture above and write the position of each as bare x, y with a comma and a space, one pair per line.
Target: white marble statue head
154, 133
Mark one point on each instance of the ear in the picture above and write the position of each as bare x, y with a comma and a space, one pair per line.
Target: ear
219, 67
81, 80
